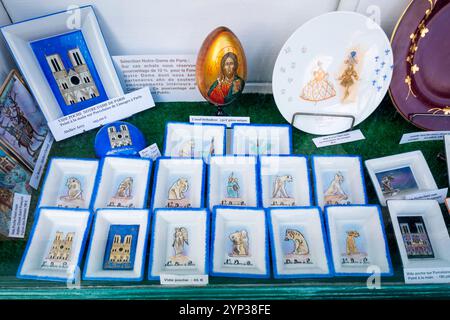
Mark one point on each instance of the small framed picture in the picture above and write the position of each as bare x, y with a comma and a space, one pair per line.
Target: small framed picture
299, 243
14, 183
56, 244
358, 240
65, 61
69, 183
118, 245
261, 139
421, 233
338, 180
239, 244
285, 181
192, 140
180, 242
178, 183
233, 181
399, 175
123, 183
23, 128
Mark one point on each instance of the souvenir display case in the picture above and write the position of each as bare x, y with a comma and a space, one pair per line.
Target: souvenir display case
259, 209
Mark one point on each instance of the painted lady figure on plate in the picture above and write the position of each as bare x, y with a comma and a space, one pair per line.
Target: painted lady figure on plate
280, 195
177, 194
124, 195
180, 257
349, 76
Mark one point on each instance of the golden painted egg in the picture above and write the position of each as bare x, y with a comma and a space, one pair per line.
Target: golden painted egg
221, 69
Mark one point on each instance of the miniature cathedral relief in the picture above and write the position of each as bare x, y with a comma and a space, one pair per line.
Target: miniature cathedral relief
60, 252
180, 243
75, 84
233, 192
123, 197
177, 194
119, 138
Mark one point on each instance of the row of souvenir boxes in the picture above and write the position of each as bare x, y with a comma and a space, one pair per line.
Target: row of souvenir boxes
304, 242
251, 181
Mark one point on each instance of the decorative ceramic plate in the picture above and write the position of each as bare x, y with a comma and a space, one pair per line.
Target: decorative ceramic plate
420, 87
333, 71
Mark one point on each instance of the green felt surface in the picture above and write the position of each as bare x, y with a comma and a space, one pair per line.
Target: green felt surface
383, 130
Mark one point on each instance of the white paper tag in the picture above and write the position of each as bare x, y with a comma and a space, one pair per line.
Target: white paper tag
438, 195
339, 138
170, 77
151, 152
106, 112
228, 121
423, 136
184, 280
41, 161
426, 275
19, 215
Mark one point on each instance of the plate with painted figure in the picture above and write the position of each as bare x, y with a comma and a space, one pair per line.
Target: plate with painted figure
332, 75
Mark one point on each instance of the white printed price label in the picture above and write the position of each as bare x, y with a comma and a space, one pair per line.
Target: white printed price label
339, 138
423, 136
426, 275
184, 280
151, 152
228, 121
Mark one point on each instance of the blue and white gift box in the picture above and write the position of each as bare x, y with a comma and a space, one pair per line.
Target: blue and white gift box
178, 183
193, 140
122, 183
135, 223
299, 243
285, 181
56, 244
179, 243
69, 183
357, 240
261, 139
338, 180
233, 181
239, 243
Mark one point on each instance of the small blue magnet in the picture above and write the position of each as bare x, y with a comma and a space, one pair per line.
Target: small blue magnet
119, 138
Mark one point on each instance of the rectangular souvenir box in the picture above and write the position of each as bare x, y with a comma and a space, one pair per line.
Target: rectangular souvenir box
396, 176
338, 180
56, 244
179, 243
118, 245
178, 183
233, 181
298, 243
239, 243
285, 181
193, 140
421, 233
69, 183
122, 183
65, 61
261, 139
357, 240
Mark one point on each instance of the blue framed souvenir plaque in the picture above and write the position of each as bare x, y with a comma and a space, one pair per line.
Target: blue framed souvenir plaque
70, 71
120, 249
